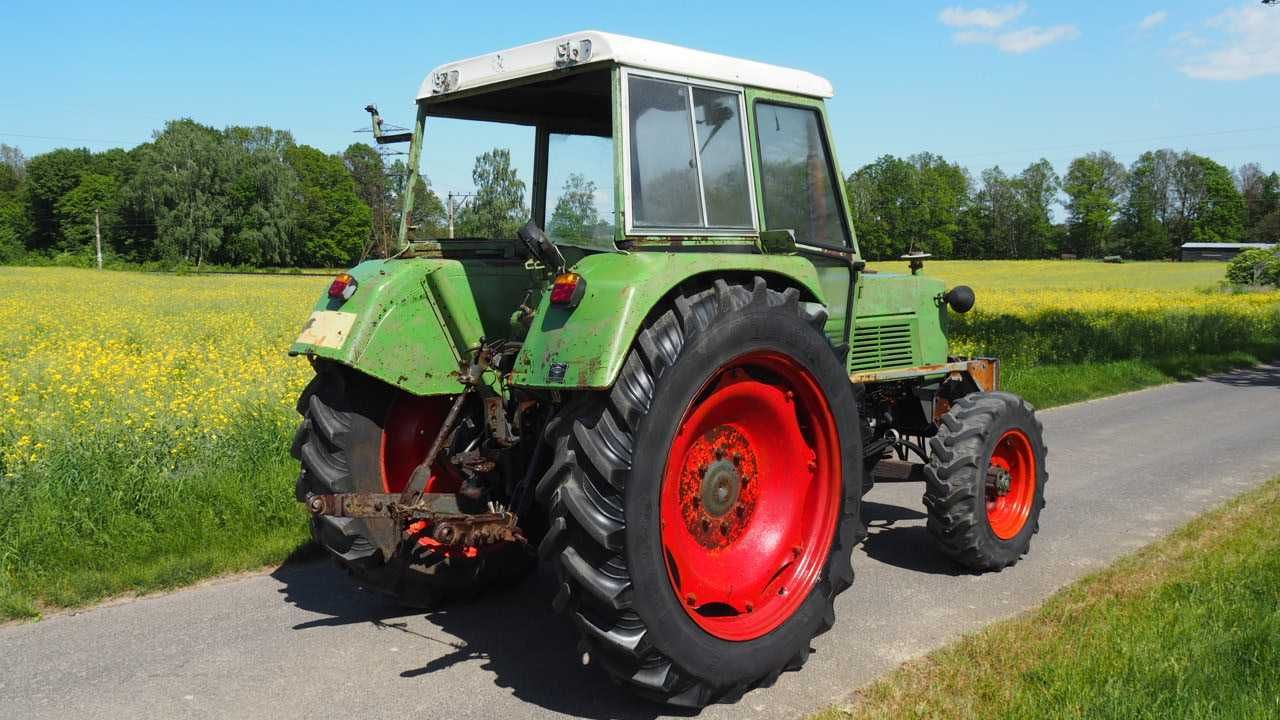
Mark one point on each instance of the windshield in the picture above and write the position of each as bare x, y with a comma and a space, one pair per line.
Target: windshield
479, 163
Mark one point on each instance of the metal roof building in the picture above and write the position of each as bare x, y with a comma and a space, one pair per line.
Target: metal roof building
1218, 251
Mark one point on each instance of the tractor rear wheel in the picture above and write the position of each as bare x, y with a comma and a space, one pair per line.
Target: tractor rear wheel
984, 483
704, 510
362, 435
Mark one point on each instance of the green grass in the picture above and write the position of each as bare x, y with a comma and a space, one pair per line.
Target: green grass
102, 524
1188, 627
143, 440
1046, 386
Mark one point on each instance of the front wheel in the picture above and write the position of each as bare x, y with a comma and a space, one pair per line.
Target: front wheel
984, 483
703, 512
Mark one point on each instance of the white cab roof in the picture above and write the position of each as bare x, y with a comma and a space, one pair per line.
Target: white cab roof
591, 46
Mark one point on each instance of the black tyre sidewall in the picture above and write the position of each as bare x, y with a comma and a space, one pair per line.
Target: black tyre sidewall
1014, 418
670, 628
365, 403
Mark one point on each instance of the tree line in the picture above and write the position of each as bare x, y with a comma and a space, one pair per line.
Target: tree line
252, 196
1144, 211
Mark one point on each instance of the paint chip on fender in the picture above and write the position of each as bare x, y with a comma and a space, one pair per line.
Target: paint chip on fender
327, 328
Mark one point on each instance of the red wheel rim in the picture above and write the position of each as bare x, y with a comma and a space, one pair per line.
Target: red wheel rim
1011, 484
750, 496
411, 426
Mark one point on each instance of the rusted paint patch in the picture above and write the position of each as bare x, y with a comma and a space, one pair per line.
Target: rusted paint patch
327, 328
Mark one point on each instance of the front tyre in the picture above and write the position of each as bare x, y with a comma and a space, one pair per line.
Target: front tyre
984, 483
704, 510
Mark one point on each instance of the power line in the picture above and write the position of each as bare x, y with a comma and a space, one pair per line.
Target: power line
1157, 138
70, 139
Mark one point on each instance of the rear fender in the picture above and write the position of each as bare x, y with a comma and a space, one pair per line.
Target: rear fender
585, 346
409, 324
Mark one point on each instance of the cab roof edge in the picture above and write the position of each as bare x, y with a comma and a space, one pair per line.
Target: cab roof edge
592, 46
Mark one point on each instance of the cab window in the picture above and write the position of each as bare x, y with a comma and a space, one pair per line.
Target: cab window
796, 177
687, 157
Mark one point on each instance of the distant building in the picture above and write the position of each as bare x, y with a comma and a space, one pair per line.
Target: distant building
1218, 251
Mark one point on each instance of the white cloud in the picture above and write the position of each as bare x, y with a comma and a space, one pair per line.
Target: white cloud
981, 17
1019, 41
1249, 48
1034, 38
1152, 20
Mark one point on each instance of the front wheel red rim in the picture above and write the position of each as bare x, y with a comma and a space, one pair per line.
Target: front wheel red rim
750, 496
1011, 484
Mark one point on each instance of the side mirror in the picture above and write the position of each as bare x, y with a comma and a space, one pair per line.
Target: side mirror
541, 247
960, 298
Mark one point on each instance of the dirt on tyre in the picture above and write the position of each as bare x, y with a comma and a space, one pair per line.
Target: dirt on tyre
985, 480
704, 510
362, 435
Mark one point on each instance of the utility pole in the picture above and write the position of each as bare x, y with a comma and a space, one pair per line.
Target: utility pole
97, 235
454, 208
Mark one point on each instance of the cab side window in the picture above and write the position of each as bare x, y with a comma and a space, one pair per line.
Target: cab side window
687, 155
796, 177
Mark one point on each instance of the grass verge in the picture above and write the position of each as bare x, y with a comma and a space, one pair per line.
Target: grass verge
1188, 627
1045, 386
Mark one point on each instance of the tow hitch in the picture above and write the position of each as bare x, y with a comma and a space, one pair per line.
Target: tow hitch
447, 525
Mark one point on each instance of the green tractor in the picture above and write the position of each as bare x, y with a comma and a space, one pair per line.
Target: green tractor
679, 407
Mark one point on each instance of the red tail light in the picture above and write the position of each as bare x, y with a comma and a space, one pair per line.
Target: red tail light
343, 287
568, 289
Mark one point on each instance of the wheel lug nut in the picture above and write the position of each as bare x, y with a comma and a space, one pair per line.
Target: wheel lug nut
741, 511
737, 458
750, 607
690, 599
724, 528
706, 524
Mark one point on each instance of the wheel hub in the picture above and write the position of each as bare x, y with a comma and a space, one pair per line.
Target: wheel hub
721, 486
717, 489
1000, 480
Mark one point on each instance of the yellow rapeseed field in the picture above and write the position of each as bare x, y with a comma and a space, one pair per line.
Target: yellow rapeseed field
145, 419
164, 365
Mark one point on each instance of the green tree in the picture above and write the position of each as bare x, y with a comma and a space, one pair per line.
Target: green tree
1036, 190
183, 181
1220, 215
497, 209
75, 213
902, 204
575, 218
1094, 185
1144, 221
263, 204
48, 178
334, 224
15, 228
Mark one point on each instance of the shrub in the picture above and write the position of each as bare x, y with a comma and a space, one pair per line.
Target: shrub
1255, 267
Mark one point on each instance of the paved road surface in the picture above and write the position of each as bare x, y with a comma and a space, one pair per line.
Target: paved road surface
302, 642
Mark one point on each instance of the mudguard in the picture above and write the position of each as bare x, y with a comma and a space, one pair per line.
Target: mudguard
585, 346
410, 321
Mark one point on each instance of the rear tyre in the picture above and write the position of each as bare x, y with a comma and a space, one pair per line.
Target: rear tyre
361, 435
704, 510
984, 482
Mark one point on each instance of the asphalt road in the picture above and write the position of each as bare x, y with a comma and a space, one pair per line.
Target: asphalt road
302, 642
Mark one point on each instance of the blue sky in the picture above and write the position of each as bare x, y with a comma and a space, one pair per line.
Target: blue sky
981, 84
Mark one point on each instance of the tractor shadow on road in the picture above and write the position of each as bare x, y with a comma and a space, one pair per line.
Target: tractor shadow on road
897, 536
1259, 376
513, 634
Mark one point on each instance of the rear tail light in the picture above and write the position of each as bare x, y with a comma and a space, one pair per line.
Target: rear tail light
343, 287
568, 289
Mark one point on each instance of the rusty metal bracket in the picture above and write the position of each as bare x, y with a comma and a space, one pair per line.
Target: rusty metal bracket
445, 523
984, 371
